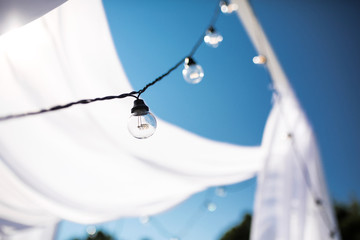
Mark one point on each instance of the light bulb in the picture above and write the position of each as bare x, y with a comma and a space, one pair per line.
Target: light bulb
212, 38
211, 207
141, 124
220, 191
192, 72
144, 219
91, 230
259, 59
227, 7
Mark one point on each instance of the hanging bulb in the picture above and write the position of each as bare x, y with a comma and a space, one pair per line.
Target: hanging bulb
259, 59
211, 207
144, 219
227, 7
142, 124
91, 230
220, 191
212, 38
192, 72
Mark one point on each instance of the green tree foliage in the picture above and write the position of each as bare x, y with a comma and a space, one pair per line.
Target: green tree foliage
100, 235
241, 231
348, 216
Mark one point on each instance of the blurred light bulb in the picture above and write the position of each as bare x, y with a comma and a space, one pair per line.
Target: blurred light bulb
144, 219
212, 38
220, 191
211, 207
142, 124
192, 72
227, 7
259, 59
91, 230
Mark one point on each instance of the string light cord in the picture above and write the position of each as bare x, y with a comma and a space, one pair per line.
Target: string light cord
193, 218
317, 200
159, 78
201, 38
59, 107
189, 224
304, 171
300, 161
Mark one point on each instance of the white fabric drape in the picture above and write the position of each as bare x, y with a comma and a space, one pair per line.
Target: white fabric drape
81, 164
291, 180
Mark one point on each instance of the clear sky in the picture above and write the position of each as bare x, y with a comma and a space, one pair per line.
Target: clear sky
317, 44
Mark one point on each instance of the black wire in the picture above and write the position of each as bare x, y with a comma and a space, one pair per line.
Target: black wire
201, 38
160, 227
317, 200
160, 77
190, 223
299, 159
192, 52
59, 107
124, 95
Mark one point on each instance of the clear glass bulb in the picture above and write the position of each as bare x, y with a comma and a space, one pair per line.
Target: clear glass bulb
192, 72
259, 59
144, 219
220, 191
227, 7
91, 230
142, 124
213, 38
211, 207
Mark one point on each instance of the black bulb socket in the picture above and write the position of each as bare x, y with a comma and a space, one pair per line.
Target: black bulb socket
189, 61
224, 2
211, 29
139, 108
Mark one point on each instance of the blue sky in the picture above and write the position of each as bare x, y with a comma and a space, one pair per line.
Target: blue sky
316, 43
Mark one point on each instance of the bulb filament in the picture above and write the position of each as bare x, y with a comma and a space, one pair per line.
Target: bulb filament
142, 126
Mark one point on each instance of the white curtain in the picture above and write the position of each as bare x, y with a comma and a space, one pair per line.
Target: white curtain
81, 164
291, 200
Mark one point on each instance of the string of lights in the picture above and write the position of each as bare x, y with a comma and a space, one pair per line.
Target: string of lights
142, 123
317, 200
299, 159
305, 175
207, 205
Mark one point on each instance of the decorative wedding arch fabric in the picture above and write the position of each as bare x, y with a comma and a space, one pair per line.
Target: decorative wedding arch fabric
52, 165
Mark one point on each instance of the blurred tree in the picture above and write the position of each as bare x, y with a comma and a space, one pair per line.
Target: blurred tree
348, 216
99, 235
241, 231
